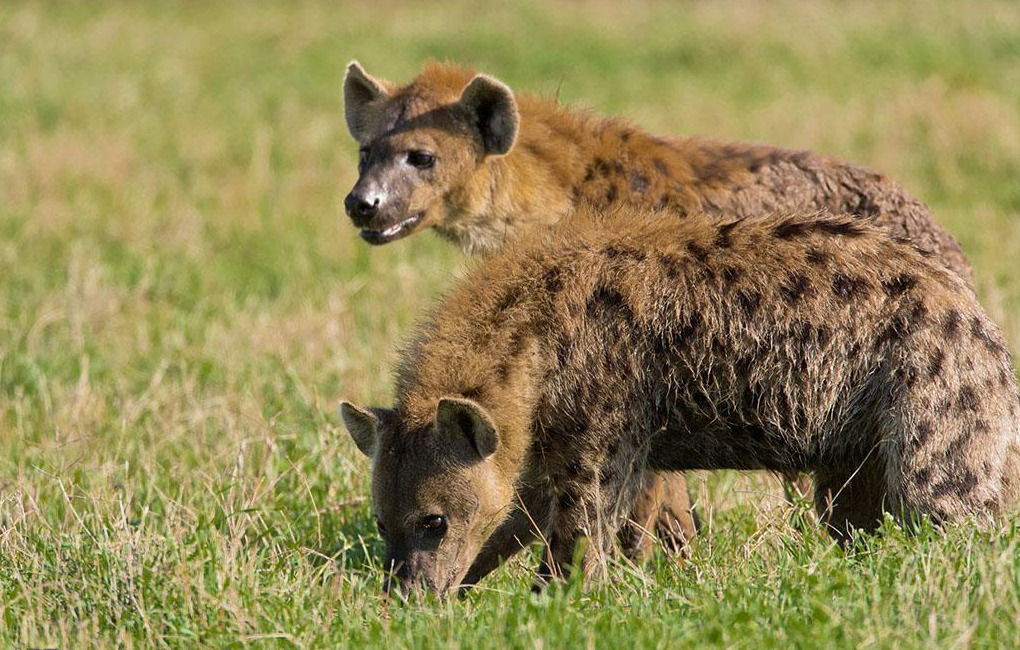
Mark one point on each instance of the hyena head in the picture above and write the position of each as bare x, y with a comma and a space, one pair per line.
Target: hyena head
420, 145
436, 492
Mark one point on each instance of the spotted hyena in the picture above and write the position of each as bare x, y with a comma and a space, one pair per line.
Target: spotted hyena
461, 154
554, 373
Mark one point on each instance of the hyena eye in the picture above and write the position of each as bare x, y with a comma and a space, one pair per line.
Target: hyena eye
362, 159
433, 525
420, 159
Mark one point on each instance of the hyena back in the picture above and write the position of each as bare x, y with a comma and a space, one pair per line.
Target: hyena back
814, 343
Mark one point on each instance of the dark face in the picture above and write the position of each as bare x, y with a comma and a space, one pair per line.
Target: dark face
435, 505
406, 174
420, 149
437, 492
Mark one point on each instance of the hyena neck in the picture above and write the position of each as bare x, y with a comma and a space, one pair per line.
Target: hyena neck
530, 187
500, 376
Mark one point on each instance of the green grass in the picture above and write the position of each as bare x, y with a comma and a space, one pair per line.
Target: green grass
182, 304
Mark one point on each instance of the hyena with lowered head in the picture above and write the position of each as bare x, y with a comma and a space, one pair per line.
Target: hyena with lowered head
462, 154
555, 373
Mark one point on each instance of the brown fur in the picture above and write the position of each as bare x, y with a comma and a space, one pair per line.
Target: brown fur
809, 343
563, 158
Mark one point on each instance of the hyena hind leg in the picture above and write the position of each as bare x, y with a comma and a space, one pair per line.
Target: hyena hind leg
663, 510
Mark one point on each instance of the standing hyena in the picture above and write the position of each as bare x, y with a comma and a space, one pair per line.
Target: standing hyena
794, 344
462, 154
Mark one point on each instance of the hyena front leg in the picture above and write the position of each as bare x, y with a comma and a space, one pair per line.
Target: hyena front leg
529, 519
589, 506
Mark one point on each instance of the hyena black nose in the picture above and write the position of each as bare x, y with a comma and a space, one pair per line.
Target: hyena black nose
360, 207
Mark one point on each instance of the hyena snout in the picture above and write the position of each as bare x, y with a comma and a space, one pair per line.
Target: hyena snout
362, 206
413, 573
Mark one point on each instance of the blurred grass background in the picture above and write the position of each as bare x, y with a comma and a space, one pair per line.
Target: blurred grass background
182, 303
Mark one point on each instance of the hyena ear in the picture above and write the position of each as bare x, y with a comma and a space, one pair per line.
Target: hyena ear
362, 424
462, 419
361, 91
492, 106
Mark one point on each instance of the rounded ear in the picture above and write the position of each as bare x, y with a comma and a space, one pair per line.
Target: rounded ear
491, 104
362, 424
461, 419
361, 90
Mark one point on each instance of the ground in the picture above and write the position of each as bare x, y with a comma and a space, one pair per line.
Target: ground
182, 305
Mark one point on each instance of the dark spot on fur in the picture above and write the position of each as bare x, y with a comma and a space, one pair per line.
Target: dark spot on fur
935, 365
638, 182
951, 324
617, 167
722, 238
601, 167
552, 279
589, 174
823, 335
898, 285
961, 484
517, 343
841, 228
791, 228
968, 399
896, 330
607, 300
796, 287
611, 194
677, 337
698, 252
510, 298
849, 287
978, 331
660, 166
918, 313
921, 476
624, 252
502, 371
473, 392
730, 274
922, 433
749, 301
607, 474
910, 376
817, 257
672, 266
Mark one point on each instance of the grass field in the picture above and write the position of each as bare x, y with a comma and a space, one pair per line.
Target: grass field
182, 304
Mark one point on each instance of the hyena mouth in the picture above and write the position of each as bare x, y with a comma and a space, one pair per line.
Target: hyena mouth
394, 232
